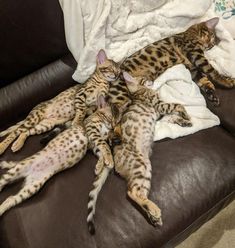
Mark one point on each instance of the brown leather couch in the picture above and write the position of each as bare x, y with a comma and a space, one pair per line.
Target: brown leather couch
193, 177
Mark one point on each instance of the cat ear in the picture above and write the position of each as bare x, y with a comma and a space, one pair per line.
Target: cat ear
101, 57
211, 24
129, 79
101, 102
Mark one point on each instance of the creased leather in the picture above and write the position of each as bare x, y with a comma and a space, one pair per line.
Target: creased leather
191, 175
18, 98
32, 35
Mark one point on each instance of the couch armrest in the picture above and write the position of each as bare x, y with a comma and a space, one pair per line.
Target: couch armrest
226, 110
18, 98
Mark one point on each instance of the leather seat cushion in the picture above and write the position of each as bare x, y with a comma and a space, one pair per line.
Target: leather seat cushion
191, 177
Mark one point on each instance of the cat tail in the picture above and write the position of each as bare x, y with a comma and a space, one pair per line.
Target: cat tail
7, 164
11, 129
97, 186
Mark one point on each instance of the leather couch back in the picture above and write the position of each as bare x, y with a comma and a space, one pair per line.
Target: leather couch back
32, 36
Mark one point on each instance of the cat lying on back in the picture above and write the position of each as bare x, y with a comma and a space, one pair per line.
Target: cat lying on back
61, 153
187, 48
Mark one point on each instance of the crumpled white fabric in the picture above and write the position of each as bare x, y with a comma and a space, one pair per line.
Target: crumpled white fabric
121, 27
176, 86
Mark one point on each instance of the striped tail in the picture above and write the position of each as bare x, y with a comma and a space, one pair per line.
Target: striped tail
97, 186
11, 129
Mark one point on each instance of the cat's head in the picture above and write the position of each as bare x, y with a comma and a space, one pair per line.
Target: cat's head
107, 68
204, 32
140, 92
110, 110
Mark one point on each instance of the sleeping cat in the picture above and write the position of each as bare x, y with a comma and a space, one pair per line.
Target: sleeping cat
61, 153
73, 103
131, 156
187, 48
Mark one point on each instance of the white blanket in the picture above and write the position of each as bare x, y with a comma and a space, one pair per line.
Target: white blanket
176, 86
123, 26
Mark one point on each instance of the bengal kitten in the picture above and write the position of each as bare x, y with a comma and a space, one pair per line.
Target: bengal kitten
73, 103
187, 48
63, 152
107, 123
131, 157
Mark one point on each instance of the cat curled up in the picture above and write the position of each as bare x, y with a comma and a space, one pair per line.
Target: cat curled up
62, 152
131, 156
184, 48
71, 104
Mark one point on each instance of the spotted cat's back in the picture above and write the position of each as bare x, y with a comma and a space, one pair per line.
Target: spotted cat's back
187, 48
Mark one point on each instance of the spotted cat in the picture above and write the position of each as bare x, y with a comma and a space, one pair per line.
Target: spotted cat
137, 126
131, 157
63, 152
187, 48
62, 108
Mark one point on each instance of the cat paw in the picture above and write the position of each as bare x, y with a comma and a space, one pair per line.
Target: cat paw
16, 146
186, 123
181, 122
212, 97
229, 82
108, 161
154, 216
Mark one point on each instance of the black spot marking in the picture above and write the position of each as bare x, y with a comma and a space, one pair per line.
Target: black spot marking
143, 57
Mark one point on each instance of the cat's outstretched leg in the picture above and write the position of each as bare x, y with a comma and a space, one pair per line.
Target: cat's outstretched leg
7, 141
150, 208
42, 127
174, 108
11, 175
7, 164
139, 186
208, 87
27, 191
11, 129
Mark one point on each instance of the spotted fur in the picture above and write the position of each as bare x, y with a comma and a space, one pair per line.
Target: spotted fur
70, 104
98, 131
131, 157
61, 153
187, 48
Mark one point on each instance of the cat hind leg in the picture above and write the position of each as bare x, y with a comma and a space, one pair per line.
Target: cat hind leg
150, 208
28, 190
11, 129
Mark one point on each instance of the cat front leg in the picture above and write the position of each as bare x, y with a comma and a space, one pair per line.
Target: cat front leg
80, 108
182, 119
208, 87
150, 208
42, 127
202, 64
7, 141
